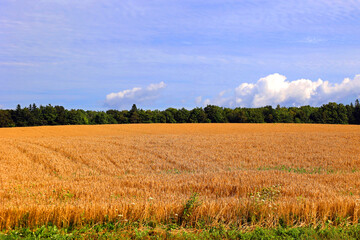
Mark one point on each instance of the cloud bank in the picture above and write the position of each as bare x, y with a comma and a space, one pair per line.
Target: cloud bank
276, 89
136, 95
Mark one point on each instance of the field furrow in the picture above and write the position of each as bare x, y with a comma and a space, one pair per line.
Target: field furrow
245, 174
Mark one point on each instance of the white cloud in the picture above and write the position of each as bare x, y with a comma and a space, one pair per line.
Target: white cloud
198, 100
136, 95
224, 98
275, 89
207, 102
156, 86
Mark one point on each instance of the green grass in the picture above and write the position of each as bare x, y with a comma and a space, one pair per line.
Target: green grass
155, 231
315, 170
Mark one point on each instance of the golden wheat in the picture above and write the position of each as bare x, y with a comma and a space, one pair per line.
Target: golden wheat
245, 174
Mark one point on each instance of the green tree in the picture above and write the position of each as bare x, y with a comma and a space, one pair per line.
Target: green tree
36, 116
215, 114
284, 115
158, 117
5, 119
170, 115
49, 114
120, 117
357, 112
303, 114
20, 116
60, 115
334, 113
269, 114
254, 115
237, 115
197, 115
77, 117
134, 115
101, 118
182, 115
145, 116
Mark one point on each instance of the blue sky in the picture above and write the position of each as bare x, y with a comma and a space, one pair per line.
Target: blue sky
106, 54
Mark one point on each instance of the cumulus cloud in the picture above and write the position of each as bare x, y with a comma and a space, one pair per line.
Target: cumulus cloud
276, 89
224, 98
137, 95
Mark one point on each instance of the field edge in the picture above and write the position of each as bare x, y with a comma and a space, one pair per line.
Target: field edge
151, 230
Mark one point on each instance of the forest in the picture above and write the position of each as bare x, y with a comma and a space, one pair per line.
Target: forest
330, 113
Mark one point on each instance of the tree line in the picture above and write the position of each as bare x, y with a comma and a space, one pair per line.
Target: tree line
331, 113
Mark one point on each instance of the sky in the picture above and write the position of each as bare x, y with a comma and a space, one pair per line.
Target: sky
110, 54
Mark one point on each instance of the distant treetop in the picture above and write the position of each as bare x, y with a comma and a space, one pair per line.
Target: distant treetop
331, 113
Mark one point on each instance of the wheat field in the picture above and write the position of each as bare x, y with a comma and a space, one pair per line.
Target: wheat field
243, 174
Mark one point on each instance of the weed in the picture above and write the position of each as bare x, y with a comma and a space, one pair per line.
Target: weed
266, 194
299, 170
189, 207
64, 195
105, 231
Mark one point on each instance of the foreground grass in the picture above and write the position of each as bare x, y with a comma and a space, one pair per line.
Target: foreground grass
153, 231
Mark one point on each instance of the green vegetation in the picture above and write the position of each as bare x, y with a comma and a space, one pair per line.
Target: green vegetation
153, 231
331, 113
314, 170
189, 206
